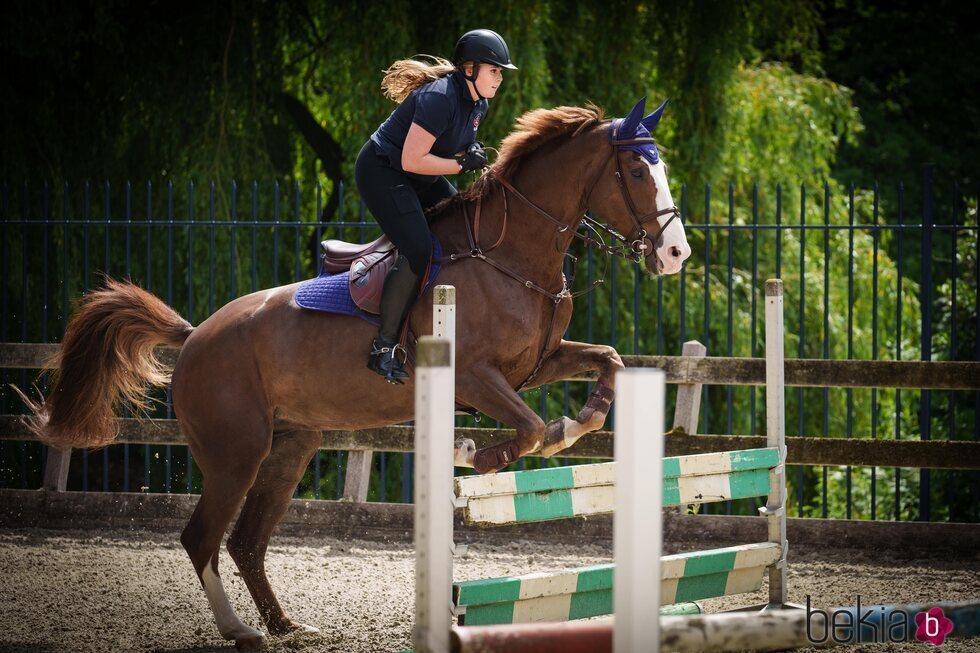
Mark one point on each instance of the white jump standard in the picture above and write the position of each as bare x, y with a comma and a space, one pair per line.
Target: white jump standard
434, 416
581, 490
626, 488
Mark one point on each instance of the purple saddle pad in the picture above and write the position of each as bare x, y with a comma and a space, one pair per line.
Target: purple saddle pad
330, 293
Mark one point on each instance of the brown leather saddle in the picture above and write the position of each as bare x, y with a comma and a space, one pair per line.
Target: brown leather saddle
368, 264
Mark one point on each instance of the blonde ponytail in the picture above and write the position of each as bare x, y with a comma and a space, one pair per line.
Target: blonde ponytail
406, 75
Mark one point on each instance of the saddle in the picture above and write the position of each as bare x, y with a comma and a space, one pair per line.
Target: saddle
368, 264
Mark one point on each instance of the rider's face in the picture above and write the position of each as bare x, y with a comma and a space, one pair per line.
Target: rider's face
488, 79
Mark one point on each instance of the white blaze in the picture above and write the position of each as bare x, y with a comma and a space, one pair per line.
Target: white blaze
674, 250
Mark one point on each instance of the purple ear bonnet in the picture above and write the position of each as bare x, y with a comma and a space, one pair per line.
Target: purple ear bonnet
636, 126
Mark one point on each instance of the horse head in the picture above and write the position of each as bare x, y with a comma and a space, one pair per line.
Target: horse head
631, 193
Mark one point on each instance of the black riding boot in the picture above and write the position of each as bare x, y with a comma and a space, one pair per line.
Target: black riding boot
401, 289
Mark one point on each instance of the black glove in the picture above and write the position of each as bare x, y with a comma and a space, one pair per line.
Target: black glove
475, 157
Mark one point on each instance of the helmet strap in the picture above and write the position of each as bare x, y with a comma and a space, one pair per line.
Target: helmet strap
472, 78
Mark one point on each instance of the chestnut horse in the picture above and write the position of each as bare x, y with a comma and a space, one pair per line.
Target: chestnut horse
255, 383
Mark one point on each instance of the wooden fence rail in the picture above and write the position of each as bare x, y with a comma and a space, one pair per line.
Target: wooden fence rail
933, 454
708, 370
690, 372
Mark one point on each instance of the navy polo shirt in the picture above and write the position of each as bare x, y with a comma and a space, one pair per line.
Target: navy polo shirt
442, 107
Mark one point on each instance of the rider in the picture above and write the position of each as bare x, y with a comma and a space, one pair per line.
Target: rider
399, 171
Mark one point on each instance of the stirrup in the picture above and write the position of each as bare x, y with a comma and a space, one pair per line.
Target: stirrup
384, 361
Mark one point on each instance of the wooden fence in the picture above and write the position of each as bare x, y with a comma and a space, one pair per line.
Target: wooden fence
689, 371
355, 517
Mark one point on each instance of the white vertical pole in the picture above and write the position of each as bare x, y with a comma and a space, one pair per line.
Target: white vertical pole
637, 527
434, 410
444, 318
775, 508
444, 326
775, 401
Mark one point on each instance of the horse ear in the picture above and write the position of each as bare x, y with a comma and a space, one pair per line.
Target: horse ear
632, 121
651, 121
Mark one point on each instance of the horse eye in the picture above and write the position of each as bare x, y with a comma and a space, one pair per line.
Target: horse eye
637, 172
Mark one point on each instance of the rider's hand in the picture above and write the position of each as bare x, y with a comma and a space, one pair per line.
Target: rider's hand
475, 158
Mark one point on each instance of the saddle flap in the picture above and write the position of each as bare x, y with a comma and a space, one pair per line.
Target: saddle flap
367, 278
339, 255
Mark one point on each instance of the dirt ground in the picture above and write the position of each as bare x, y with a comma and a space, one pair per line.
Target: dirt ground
77, 591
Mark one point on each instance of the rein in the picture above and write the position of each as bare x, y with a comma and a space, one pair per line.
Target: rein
476, 252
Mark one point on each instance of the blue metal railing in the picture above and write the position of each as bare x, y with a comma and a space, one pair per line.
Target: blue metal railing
254, 251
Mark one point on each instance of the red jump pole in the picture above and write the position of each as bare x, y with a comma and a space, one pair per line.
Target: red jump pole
730, 631
567, 637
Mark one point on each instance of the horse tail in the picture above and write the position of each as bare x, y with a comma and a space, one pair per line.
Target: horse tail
107, 358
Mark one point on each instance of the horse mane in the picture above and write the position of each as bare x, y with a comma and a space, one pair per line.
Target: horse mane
534, 129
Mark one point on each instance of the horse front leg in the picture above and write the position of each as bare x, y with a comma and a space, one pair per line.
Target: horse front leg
571, 359
487, 390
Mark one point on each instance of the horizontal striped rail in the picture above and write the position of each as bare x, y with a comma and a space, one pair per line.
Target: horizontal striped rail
587, 592
562, 492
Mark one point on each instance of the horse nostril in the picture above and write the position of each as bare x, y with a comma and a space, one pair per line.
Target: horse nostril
675, 251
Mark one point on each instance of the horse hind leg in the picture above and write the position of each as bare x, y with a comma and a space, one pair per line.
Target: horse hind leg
225, 486
267, 502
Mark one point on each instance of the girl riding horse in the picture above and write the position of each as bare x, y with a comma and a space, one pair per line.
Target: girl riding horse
252, 403
399, 171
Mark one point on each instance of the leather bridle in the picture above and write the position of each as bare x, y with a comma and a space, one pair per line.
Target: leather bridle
637, 237
633, 246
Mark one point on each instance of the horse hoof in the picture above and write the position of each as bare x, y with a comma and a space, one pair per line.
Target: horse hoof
251, 643
306, 629
293, 628
465, 449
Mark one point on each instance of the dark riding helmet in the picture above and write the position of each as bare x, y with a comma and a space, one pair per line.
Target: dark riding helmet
483, 45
